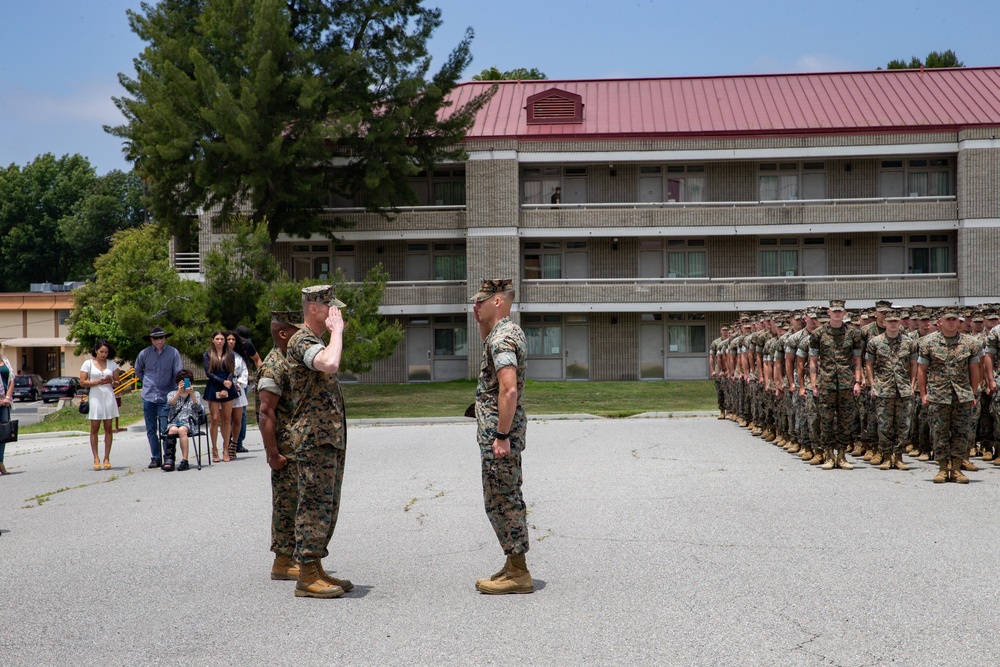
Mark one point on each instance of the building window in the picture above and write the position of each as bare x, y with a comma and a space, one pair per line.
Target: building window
441, 187
449, 261
451, 336
918, 177
63, 316
550, 260
311, 260
543, 334
672, 258
786, 256
786, 181
345, 260
672, 183
538, 184
915, 253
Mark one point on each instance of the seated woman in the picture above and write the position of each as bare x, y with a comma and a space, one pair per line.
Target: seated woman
184, 406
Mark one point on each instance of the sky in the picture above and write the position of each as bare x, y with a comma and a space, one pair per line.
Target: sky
60, 59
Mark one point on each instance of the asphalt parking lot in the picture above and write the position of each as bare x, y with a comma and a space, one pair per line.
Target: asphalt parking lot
654, 542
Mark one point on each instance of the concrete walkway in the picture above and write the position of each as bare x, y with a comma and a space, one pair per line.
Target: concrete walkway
678, 541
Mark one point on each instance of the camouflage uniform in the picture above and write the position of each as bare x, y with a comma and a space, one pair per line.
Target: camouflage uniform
949, 392
273, 378
835, 351
317, 430
893, 388
810, 413
867, 412
715, 351
504, 346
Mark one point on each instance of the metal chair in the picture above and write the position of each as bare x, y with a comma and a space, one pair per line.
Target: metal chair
194, 439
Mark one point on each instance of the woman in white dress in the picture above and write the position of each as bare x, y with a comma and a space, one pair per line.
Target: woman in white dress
100, 375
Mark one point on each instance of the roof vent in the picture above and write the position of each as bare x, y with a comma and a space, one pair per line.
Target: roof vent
554, 106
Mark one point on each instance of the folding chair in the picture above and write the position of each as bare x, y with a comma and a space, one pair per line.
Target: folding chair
194, 439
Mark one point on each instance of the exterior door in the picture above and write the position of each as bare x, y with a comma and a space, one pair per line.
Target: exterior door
418, 353
892, 259
814, 261
651, 365
650, 189
574, 191
577, 351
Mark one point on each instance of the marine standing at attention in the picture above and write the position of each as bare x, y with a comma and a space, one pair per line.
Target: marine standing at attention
501, 426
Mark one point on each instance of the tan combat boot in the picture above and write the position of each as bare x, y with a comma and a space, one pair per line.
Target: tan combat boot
988, 454
284, 568
742, 422
818, 458
924, 456
806, 453
841, 461
957, 475
869, 453
886, 463
768, 435
942, 476
968, 466
996, 460
516, 580
502, 572
876, 459
829, 460
897, 462
722, 414
793, 447
345, 584
311, 583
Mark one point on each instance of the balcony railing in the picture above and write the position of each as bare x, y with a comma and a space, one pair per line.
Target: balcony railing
400, 209
738, 204
187, 262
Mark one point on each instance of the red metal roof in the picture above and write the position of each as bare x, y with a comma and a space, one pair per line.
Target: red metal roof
803, 104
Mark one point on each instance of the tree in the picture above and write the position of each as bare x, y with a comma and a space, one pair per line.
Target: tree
237, 275
136, 288
933, 60
519, 74
368, 336
241, 104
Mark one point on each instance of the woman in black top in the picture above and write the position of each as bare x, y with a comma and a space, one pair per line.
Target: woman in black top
219, 392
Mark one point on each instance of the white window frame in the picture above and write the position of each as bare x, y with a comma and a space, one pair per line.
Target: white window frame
911, 168
668, 247
786, 243
459, 327
692, 181
921, 241
549, 248
544, 322
311, 251
794, 175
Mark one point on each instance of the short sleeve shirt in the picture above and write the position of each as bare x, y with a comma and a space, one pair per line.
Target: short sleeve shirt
504, 346
273, 378
890, 359
835, 350
947, 366
318, 417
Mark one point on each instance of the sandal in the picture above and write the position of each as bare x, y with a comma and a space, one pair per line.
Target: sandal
107, 464
97, 463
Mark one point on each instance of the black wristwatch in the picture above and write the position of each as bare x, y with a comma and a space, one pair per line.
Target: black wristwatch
502, 436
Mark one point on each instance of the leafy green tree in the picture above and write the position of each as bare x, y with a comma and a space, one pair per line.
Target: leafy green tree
241, 104
114, 203
934, 60
368, 336
136, 288
519, 74
237, 274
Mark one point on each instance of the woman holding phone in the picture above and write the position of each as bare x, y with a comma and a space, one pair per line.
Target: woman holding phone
219, 366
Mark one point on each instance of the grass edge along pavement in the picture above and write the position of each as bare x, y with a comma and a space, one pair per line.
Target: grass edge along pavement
449, 399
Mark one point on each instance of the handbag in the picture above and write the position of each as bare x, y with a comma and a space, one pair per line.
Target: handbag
84, 407
8, 431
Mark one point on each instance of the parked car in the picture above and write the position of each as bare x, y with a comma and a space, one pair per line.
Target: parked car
57, 388
27, 387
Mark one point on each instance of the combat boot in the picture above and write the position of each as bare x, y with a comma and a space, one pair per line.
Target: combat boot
284, 568
968, 466
897, 462
996, 460
768, 435
988, 454
806, 453
924, 456
841, 461
502, 572
793, 447
818, 458
756, 431
876, 459
311, 583
957, 475
829, 460
345, 584
516, 580
722, 414
886, 463
869, 453
942, 476
742, 422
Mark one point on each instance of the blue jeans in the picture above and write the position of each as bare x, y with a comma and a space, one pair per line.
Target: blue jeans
155, 415
243, 427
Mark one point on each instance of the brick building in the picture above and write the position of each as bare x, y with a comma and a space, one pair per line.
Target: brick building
683, 201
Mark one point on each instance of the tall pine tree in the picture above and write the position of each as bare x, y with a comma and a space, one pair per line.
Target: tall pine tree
243, 104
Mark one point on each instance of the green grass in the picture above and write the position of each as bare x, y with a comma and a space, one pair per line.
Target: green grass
449, 399
606, 399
